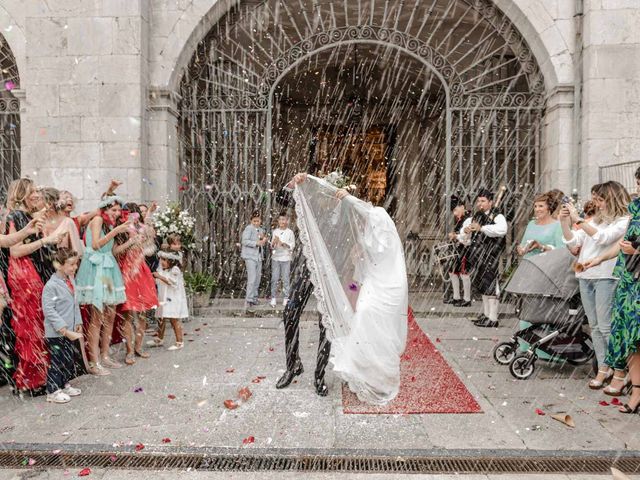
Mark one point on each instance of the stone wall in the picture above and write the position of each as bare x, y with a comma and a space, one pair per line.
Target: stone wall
611, 101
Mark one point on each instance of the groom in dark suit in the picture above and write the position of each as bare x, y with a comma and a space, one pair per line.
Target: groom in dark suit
301, 289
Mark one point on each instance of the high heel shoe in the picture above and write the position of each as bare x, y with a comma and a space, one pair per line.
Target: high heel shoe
627, 408
617, 392
596, 384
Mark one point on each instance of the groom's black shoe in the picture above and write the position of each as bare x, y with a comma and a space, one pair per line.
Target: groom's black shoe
321, 387
288, 376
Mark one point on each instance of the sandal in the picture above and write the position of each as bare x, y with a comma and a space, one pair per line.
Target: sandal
129, 359
177, 346
97, 369
142, 354
109, 363
617, 392
627, 408
155, 342
596, 384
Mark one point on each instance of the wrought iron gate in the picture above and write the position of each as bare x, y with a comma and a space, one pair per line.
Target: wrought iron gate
453, 77
9, 119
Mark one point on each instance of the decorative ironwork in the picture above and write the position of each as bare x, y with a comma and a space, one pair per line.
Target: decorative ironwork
458, 67
9, 118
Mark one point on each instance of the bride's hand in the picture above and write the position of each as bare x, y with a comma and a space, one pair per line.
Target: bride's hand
300, 178
341, 193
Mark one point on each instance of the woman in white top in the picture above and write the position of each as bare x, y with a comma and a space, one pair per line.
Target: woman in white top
597, 284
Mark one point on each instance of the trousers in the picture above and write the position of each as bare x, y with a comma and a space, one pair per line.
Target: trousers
300, 293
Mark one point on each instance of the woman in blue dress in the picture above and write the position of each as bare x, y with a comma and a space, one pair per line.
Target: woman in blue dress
99, 283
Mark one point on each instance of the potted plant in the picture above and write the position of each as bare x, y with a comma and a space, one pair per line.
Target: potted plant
200, 286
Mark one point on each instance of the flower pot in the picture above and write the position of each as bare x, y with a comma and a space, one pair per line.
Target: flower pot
201, 300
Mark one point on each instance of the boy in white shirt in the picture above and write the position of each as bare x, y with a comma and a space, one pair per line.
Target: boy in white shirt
282, 243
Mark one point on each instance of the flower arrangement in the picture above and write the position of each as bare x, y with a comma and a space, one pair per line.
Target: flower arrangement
173, 220
339, 180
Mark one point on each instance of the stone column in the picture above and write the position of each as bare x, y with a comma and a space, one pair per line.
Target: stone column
161, 180
558, 165
85, 95
611, 100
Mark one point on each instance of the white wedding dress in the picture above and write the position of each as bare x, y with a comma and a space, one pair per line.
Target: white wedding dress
357, 266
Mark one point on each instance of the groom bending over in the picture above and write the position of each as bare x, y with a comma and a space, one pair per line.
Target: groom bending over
301, 289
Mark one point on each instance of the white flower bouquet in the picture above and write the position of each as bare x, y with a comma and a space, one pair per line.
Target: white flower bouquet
339, 180
173, 220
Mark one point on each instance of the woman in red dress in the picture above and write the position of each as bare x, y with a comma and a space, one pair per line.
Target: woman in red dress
30, 267
139, 284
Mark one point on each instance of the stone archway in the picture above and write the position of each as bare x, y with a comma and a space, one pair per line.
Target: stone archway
488, 124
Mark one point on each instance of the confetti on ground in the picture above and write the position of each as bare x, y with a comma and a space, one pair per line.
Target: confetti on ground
540, 412
171, 396
248, 440
244, 393
138, 390
84, 472
230, 404
166, 440
139, 447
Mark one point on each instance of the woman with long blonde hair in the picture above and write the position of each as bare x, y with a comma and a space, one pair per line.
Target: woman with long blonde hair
30, 266
598, 284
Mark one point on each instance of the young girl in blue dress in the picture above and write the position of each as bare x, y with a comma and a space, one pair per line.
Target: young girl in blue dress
99, 283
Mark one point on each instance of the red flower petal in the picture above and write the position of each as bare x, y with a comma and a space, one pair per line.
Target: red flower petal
437, 340
230, 404
84, 472
244, 393
166, 440
171, 396
271, 349
540, 412
185, 178
181, 188
139, 447
603, 403
615, 401
248, 440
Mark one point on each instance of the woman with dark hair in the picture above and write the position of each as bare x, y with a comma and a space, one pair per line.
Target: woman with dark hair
543, 233
30, 266
624, 342
99, 283
598, 284
140, 286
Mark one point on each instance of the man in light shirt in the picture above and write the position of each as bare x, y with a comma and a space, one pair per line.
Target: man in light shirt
282, 243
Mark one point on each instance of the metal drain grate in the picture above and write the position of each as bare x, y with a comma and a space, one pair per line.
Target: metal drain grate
243, 461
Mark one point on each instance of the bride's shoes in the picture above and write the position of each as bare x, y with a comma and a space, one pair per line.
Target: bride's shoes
288, 376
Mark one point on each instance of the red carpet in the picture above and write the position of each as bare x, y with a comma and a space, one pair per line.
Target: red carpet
427, 383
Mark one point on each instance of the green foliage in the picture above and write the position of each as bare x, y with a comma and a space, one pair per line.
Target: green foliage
197, 282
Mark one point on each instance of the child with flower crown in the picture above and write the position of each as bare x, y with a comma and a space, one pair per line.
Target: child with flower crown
100, 284
172, 298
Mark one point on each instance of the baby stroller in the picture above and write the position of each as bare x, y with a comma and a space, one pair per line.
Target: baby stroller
549, 298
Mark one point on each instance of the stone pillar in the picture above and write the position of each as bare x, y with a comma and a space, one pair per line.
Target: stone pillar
611, 100
85, 95
558, 166
161, 180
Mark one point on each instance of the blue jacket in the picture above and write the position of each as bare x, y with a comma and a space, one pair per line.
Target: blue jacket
250, 248
59, 306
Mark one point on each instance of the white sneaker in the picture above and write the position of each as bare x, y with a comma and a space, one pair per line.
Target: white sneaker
273, 302
284, 302
58, 397
71, 391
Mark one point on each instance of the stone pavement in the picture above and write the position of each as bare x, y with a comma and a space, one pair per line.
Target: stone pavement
225, 353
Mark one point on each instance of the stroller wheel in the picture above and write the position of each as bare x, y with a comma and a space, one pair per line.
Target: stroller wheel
522, 366
504, 352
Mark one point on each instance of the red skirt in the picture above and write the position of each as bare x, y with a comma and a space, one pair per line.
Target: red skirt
139, 285
28, 323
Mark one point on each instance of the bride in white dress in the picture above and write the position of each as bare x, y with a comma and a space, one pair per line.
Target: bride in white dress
355, 257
